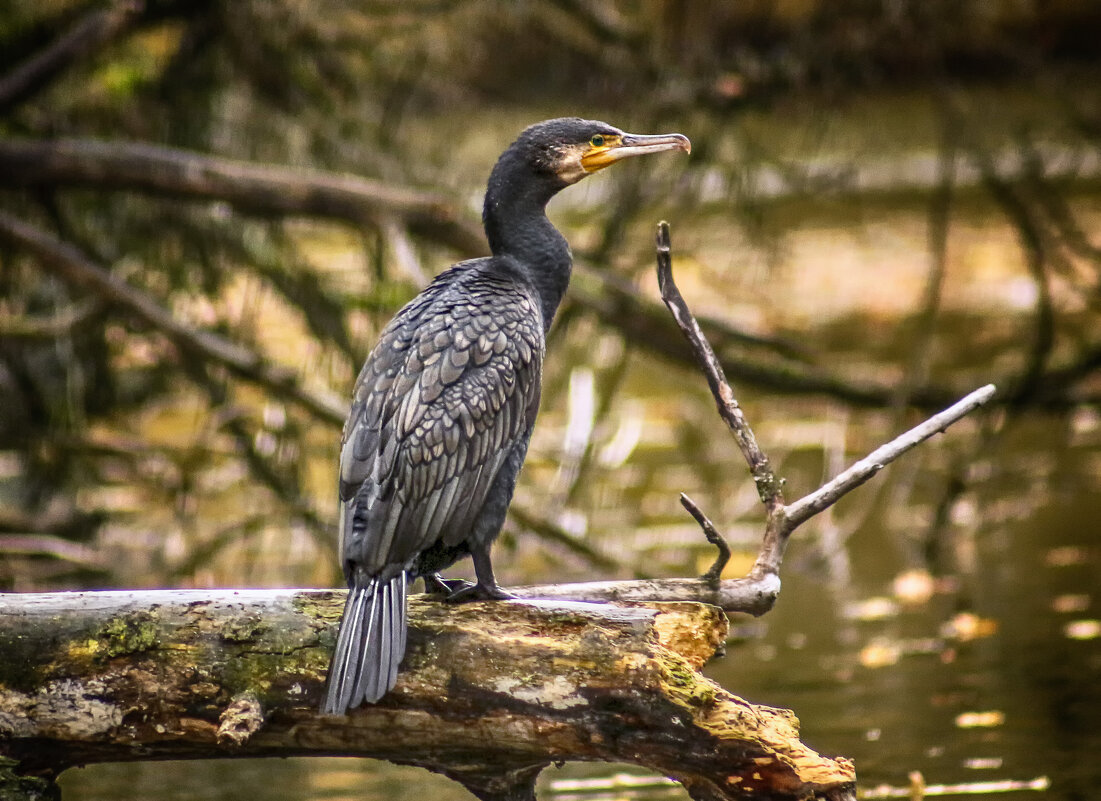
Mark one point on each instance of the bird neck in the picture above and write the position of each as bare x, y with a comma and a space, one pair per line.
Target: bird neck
516, 225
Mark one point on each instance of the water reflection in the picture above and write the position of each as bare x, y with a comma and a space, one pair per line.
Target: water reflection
980, 682
319, 779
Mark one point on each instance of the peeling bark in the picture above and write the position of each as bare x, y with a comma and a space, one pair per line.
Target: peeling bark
489, 694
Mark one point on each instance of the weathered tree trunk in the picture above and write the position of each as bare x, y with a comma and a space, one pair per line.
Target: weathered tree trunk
489, 694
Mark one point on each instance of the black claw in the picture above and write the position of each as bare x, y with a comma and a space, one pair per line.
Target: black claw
479, 592
435, 584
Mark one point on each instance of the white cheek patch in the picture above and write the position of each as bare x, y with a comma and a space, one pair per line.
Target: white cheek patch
568, 166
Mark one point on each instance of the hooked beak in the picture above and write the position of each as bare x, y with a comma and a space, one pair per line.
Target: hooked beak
628, 145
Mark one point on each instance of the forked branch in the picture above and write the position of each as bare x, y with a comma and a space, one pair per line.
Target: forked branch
782, 519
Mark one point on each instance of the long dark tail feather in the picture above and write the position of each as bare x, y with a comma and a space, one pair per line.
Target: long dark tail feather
369, 645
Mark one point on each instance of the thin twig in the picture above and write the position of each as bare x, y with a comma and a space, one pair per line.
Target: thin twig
809, 505
714, 573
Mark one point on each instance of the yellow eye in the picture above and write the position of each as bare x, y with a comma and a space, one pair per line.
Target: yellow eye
597, 141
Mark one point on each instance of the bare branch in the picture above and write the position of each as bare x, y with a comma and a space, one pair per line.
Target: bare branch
74, 267
715, 572
767, 485
263, 189
756, 593
88, 34
760, 588
806, 507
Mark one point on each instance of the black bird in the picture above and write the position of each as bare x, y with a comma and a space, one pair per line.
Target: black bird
444, 407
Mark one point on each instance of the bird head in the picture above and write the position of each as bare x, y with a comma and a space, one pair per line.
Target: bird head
572, 148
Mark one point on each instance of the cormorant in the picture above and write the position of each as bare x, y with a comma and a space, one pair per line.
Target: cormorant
444, 407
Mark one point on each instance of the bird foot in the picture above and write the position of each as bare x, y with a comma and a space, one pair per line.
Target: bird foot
435, 584
478, 592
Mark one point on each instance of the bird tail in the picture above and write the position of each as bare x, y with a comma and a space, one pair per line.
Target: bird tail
369, 645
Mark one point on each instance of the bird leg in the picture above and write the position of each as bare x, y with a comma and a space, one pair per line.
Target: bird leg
486, 588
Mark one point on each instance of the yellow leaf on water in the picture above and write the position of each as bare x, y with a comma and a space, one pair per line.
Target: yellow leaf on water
1066, 556
914, 586
1083, 629
980, 720
870, 609
880, 653
968, 626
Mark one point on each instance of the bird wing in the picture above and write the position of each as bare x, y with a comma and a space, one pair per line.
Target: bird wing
449, 390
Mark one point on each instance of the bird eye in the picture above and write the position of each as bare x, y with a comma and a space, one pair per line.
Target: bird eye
597, 141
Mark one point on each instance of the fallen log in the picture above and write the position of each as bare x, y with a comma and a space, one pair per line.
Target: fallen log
489, 693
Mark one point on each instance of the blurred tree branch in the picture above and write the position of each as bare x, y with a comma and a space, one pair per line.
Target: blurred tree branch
257, 188
77, 269
275, 190
271, 190
92, 31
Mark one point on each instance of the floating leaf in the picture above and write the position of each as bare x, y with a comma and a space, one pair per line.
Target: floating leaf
878, 608
1070, 603
983, 763
967, 626
914, 586
880, 653
979, 720
1083, 629
1066, 556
